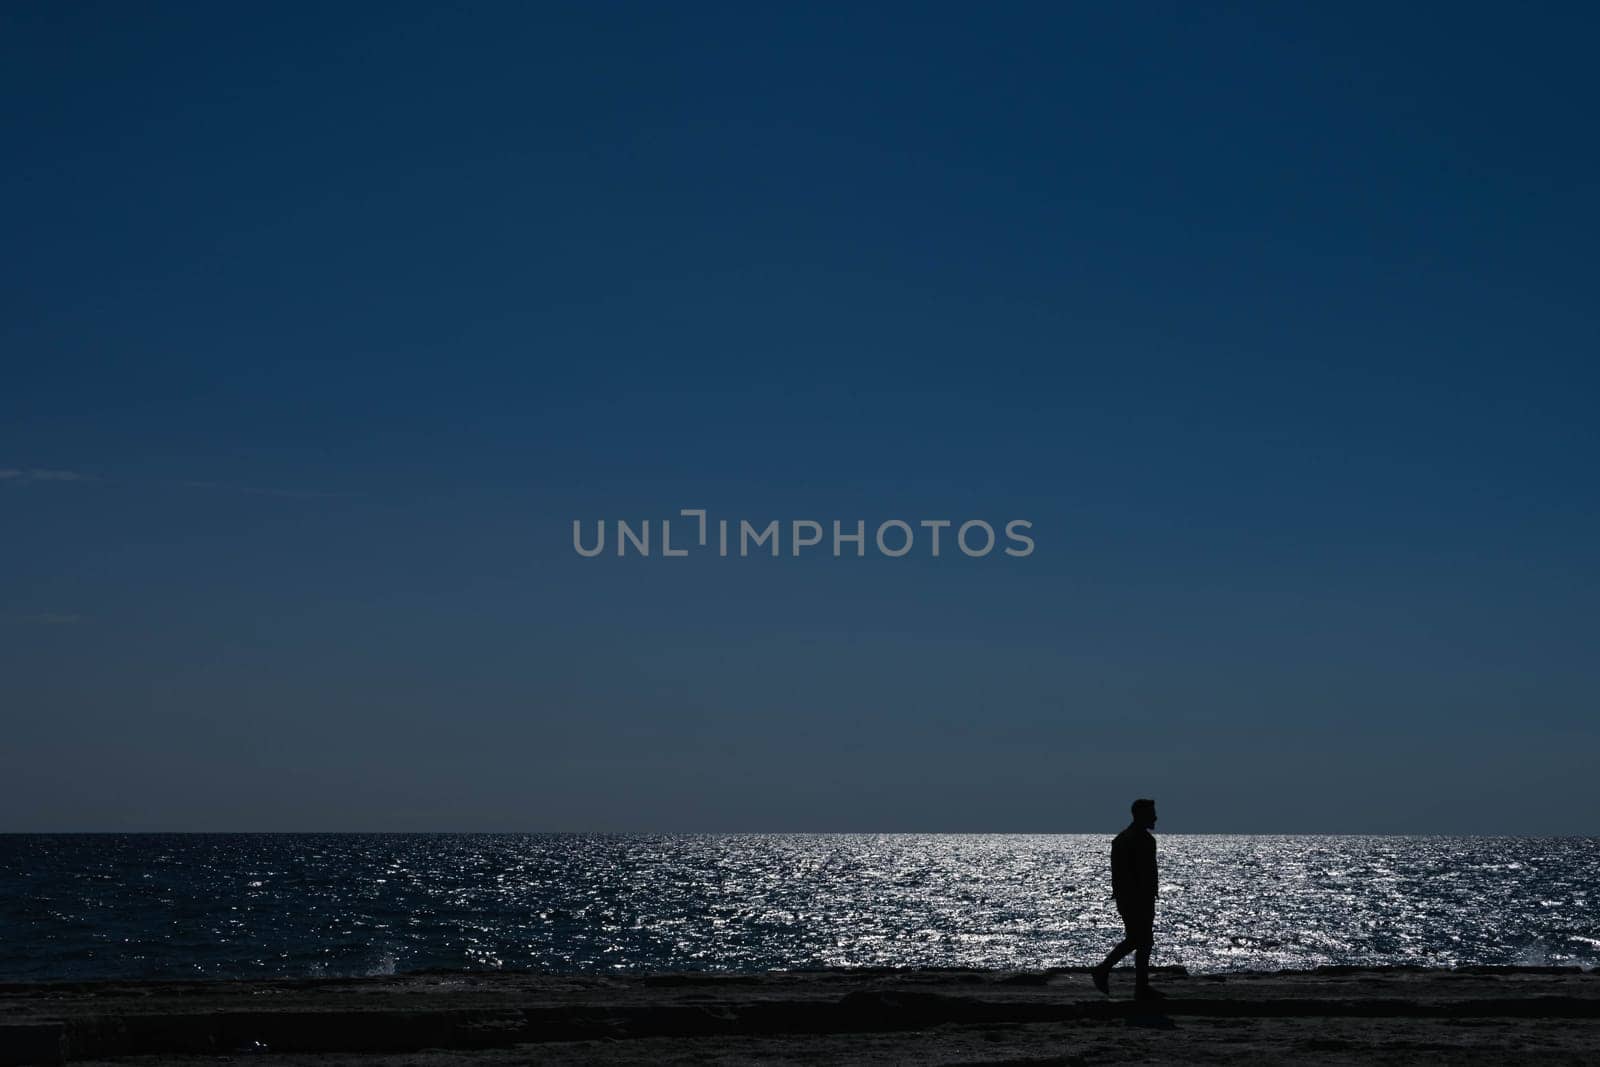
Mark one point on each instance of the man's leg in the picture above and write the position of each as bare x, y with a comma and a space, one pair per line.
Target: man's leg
1115, 956
1144, 937
1101, 975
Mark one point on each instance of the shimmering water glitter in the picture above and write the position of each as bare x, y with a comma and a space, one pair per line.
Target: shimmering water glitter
87, 906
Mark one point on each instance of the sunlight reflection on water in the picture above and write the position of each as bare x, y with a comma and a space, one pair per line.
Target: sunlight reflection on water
223, 905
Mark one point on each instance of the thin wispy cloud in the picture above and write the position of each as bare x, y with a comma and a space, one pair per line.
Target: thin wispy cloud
254, 490
29, 475
17, 476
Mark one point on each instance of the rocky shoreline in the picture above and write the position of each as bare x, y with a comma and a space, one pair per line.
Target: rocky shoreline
1332, 1014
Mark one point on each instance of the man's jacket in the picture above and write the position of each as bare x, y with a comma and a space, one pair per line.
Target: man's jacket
1133, 868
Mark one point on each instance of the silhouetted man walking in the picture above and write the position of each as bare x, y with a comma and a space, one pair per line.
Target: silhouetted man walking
1133, 884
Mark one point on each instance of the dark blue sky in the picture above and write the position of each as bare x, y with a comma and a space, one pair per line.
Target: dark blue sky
322, 323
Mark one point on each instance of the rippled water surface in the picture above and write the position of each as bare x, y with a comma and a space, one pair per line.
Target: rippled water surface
77, 906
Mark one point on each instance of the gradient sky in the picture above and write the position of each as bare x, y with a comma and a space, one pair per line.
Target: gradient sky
321, 323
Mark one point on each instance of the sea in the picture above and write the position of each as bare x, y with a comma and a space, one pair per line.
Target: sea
138, 906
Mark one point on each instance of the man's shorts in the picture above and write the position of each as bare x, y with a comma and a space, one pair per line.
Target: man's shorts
1139, 923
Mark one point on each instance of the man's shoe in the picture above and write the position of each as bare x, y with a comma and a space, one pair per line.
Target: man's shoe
1101, 977
1145, 992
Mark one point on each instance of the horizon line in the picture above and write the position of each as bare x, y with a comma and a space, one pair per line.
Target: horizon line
803, 833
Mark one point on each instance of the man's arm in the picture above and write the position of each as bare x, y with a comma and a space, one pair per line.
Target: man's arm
1123, 876
1149, 879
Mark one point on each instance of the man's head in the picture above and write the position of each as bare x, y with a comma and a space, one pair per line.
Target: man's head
1144, 813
